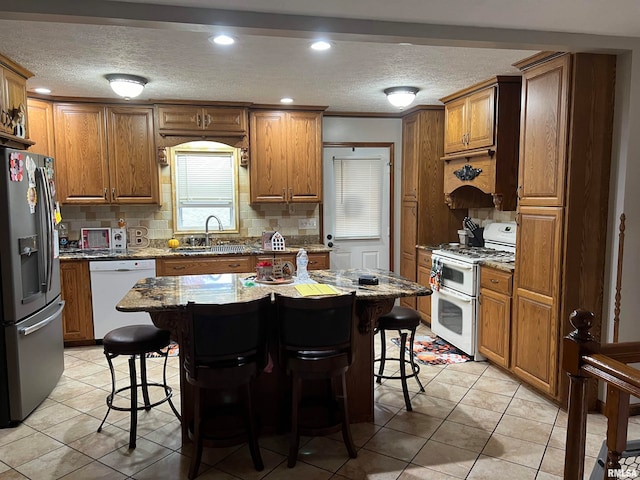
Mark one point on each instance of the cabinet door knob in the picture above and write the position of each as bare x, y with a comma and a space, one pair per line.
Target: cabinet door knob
105, 195
284, 194
198, 120
290, 193
113, 194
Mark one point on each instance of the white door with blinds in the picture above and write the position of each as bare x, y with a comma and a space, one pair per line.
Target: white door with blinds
356, 207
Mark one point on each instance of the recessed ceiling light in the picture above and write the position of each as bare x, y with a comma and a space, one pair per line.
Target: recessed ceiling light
286, 100
320, 45
223, 40
42, 90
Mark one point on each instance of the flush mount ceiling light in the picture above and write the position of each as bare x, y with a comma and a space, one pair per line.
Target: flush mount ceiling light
320, 45
127, 86
401, 96
223, 40
42, 90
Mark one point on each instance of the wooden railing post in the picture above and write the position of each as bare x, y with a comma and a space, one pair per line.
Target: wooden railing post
577, 343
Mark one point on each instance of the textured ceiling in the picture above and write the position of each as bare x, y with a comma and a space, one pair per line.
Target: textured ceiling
264, 65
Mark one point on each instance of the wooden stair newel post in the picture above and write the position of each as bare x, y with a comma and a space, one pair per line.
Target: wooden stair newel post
575, 345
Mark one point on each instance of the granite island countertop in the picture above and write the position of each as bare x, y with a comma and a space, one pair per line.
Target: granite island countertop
153, 252
156, 294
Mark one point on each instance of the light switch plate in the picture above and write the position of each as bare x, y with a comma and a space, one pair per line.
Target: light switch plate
307, 223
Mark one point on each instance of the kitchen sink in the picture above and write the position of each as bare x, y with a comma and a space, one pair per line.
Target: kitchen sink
213, 249
228, 249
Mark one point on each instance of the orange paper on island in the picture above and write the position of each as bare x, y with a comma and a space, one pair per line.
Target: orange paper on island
316, 289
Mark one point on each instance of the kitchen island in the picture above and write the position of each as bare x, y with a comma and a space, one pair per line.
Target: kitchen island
165, 299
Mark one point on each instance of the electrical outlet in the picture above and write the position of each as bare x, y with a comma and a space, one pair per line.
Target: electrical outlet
307, 223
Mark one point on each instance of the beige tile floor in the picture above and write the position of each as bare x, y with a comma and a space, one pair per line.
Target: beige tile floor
472, 422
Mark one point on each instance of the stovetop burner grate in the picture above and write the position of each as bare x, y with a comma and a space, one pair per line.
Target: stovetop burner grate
475, 254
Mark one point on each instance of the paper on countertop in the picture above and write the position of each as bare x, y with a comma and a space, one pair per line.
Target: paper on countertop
311, 290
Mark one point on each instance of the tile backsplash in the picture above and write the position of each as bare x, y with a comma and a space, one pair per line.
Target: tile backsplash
484, 216
253, 219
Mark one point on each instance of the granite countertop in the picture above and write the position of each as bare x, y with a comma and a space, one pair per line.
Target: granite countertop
156, 294
152, 252
508, 267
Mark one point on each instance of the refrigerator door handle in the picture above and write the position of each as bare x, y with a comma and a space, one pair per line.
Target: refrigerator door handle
48, 209
34, 328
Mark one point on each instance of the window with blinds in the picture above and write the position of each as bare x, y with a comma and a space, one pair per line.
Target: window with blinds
205, 184
358, 210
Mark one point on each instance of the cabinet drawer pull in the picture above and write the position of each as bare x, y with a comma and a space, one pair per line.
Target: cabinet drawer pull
179, 267
233, 265
493, 280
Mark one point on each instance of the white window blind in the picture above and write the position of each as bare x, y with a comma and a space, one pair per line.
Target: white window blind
205, 185
358, 187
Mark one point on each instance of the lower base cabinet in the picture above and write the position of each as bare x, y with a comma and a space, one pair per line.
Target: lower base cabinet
494, 329
424, 272
198, 265
77, 316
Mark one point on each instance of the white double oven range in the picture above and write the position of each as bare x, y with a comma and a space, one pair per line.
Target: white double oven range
454, 305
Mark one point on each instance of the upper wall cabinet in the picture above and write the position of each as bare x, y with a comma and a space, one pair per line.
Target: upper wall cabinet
286, 156
105, 154
41, 127
470, 122
180, 119
482, 129
14, 126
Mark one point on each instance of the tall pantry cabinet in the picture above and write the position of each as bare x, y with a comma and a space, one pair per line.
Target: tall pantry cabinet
424, 218
563, 188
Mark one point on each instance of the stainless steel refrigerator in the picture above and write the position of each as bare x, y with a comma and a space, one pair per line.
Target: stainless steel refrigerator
31, 345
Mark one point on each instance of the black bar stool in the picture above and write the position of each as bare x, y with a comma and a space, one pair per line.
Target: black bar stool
405, 321
136, 340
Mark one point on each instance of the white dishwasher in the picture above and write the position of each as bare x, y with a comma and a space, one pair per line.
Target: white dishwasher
110, 281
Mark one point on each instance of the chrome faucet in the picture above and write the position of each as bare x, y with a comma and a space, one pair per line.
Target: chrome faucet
206, 229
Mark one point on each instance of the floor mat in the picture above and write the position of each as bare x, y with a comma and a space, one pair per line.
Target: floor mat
432, 350
174, 351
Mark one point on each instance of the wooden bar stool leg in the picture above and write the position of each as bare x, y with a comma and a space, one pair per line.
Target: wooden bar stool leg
197, 435
344, 412
294, 437
254, 448
134, 402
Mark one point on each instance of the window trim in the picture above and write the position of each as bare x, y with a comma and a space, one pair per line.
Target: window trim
204, 146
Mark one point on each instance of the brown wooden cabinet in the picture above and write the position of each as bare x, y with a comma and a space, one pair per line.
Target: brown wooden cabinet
494, 327
562, 214
317, 261
286, 156
481, 144
470, 122
41, 127
197, 265
105, 154
13, 94
424, 272
424, 218
178, 119
77, 316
